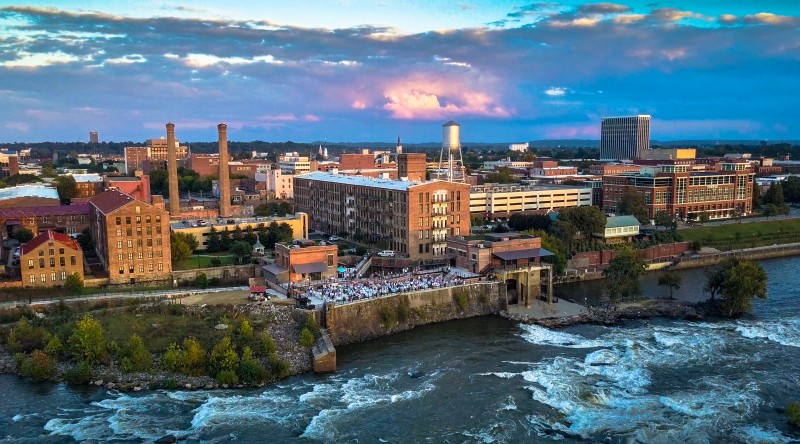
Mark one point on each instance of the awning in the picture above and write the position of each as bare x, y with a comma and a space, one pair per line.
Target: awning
258, 289
341, 269
313, 267
522, 254
275, 270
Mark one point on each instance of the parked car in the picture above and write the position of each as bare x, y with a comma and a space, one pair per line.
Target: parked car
386, 253
17, 253
334, 238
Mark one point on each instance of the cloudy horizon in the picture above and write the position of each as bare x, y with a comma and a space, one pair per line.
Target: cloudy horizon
360, 70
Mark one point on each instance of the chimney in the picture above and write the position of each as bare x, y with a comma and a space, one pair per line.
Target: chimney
172, 172
224, 174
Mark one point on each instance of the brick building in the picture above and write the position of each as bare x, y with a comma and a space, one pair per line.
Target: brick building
684, 193
47, 260
206, 165
131, 238
9, 163
88, 185
604, 169
302, 260
412, 166
412, 219
28, 196
138, 187
68, 219
152, 156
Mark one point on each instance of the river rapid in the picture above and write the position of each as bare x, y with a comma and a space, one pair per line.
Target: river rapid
481, 380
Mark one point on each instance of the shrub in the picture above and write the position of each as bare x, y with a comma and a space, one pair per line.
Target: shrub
194, 357
169, 384
140, 358
266, 344
361, 250
54, 348
88, 341
74, 284
215, 262
278, 367
312, 326
173, 358
201, 280
306, 337
126, 365
223, 357
80, 374
245, 333
39, 366
25, 338
227, 377
388, 317
793, 414
461, 299
250, 370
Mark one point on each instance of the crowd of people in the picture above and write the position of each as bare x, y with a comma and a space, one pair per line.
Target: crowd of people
360, 289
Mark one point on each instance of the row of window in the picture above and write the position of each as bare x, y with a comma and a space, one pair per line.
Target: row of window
62, 262
131, 268
138, 218
140, 255
129, 230
43, 277
139, 243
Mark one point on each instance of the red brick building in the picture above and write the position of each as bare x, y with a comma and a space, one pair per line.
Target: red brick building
68, 219
131, 238
302, 260
604, 169
48, 259
138, 187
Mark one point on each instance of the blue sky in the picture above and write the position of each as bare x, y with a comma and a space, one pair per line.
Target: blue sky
358, 70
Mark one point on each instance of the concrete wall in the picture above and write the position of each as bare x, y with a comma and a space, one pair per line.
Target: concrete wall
749, 253
361, 321
602, 258
232, 274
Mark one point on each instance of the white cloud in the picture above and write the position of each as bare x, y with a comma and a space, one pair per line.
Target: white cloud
34, 60
205, 60
556, 91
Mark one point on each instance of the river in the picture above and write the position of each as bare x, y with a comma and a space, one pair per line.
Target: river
480, 380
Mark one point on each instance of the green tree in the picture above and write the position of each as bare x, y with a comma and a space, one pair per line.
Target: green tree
241, 250
266, 345
554, 245
250, 370
74, 283
737, 282
194, 357
54, 348
24, 337
19, 179
39, 366
671, 280
774, 196
757, 198
80, 374
564, 231
522, 222
503, 175
705, 217
664, 219
23, 235
306, 337
214, 241
180, 249
244, 334
140, 358
622, 276
173, 358
48, 170
88, 341
67, 187
632, 203
201, 280
223, 357
586, 219
791, 189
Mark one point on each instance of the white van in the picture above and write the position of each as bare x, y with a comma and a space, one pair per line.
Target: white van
386, 253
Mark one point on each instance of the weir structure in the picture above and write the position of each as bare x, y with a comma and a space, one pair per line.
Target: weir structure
172, 172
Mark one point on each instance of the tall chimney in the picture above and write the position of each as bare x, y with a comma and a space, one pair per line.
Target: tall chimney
172, 172
224, 174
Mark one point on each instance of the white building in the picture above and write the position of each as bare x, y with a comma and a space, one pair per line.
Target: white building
277, 182
294, 163
520, 147
501, 201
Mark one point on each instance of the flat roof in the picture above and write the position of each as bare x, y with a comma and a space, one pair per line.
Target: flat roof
399, 185
622, 221
91, 177
28, 191
522, 254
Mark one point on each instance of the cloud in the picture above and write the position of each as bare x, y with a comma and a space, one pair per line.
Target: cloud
765, 18
22, 127
579, 22
674, 15
602, 8
206, 60
728, 19
417, 104
555, 91
358, 105
627, 19
26, 59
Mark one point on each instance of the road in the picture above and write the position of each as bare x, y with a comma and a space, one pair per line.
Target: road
130, 294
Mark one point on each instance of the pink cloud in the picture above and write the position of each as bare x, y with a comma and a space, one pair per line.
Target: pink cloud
422, 98
311, 118
358, 105
590, 131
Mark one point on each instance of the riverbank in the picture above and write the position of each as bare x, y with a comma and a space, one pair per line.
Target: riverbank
158, 326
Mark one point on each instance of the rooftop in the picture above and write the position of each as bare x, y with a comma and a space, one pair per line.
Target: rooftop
92, 177
55, 210
110, 200
48, 235
398, 185
517, 187
28, 191
621, 221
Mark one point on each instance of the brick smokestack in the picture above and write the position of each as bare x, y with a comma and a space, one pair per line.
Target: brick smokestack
172, 172
224, 174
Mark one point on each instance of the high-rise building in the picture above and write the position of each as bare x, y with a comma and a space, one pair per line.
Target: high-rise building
94, 137
624, 137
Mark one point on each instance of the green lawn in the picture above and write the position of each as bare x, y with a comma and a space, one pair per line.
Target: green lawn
203, 260
745, 235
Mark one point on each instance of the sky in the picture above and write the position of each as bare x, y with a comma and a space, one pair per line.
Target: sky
370, 70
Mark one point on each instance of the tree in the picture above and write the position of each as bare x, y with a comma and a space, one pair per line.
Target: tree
74, 284
88, 341
266, 345
241, 250
85, 240
671, 280
306, 337
23, 235
705, 217
632, 203
201, 280
503, 175
67, 187
664, 219
522, 222
180, 249
554, 245
774, 196
586, 219
194, 357
39, 366
48, 170
250, 370
737, 282
137, 356
757, 199
791, 189
19, 179
564, 231
622, 276
223, 357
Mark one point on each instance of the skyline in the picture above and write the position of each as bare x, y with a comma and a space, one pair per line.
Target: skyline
370, 70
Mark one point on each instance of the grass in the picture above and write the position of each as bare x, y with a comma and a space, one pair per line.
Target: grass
159, 330
37, 294
204, 261
745, 235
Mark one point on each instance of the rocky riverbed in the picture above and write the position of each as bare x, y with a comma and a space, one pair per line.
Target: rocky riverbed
284, 327
653, 308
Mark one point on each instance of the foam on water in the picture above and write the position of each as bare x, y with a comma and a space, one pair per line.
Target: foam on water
757, 435
222, 410
543, 336
785, 332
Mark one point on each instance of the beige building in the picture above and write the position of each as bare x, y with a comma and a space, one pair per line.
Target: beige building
302, 261
668, 154
48, 259
294, 163
277, 183
501, 201
298, 222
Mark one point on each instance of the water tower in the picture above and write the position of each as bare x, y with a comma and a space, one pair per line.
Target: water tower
451, 162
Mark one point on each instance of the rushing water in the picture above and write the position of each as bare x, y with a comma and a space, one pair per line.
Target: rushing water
480, 380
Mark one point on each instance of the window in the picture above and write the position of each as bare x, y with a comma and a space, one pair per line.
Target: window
138, 231
330, 260
130, 243
158, 218
30, 264
130, 256
52, 262
60, 251
41, 252
149, 230
130, 268
41, 263
121, 269
138, 242
141, 255
127, 219
149, 254
129, 231
147, 219
72, 260
53, 276
62, 261
63, 275
119, 221
32, 278
119, 244
138, 218
119, 231
149, 242
141, 268
42, 277
158, 241
158, 229
119, 257
150, 267
160, 266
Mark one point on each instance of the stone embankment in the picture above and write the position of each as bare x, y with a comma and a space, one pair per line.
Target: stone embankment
284, 327
651, 309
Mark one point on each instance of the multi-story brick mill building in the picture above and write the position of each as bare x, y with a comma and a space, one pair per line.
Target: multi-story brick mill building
48, 259
131, 238
411, 218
